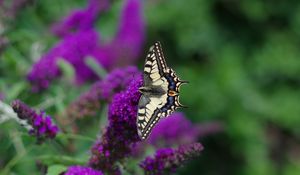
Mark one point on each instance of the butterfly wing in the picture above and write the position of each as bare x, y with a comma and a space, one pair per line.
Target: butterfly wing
155, 66
150, 105
148, 114
159, 102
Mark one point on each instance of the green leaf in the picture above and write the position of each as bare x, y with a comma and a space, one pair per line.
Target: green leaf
63, 160
66, 68
15, 90
96, 67
56, 169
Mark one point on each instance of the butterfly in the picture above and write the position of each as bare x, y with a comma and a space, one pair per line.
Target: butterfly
160, 92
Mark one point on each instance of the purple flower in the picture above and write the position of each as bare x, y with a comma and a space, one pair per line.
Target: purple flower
120, 135
167, 160
42, 126
74, 49
76, 46
103, 90
128, 42
2, 96
82, 19
81, 170
174, 130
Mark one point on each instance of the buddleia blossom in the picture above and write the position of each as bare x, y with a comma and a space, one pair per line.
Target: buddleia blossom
42, 126
121, 133
2, 96
103, 90
80, 40
81, 170
167, 160
174, 130
73, 49
177, 130
80, 19
126, 46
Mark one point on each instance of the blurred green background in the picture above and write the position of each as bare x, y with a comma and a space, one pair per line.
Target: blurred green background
242, 60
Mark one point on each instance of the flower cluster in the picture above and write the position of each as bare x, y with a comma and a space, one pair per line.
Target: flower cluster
167, 160
103, 90
173, 131
121, 133
81, 19
125, 48
2, 96
80, 40
80, 170
73, 49
42, 126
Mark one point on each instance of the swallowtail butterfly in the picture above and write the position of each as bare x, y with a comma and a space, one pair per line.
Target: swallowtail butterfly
160, 92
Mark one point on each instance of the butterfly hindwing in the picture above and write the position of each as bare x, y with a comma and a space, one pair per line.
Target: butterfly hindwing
148, 114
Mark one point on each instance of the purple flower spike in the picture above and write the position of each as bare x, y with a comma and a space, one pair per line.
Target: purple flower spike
121, 134
103, 90
72, 49
83, 19
81, 170
128, 42
42, 126
80, 40
167, 160
173, 131
2, 96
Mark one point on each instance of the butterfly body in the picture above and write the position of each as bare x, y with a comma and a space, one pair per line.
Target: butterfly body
160, 92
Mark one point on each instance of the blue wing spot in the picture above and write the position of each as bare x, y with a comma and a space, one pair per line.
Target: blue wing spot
170, 102
172, 83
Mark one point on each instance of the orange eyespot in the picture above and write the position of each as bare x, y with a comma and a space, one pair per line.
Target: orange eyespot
172, 93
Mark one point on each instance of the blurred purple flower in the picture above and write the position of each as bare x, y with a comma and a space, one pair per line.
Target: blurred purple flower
81, 19
2, 96
73, 49
209, 128
77, 46
120, 135
81, 170
42, 126
125, 48
174, 130
103, 90
167, 160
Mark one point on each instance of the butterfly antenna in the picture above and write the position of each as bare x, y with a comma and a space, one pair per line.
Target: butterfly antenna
184, 82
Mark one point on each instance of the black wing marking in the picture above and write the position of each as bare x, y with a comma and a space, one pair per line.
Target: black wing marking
155, 65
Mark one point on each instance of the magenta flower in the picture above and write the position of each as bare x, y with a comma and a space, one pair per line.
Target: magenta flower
120, 135
103, 90
174, 130
81, 170
72, 49
167, 160
128, 42
80, 40
2, 96
42, 125
81, 19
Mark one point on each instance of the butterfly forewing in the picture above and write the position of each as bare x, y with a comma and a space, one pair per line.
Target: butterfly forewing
155, 65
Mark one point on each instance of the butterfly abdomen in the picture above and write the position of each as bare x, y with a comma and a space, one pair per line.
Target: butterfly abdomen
152, 90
